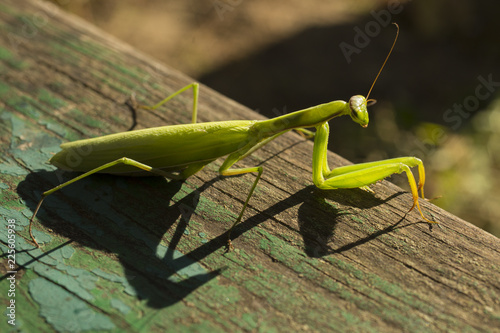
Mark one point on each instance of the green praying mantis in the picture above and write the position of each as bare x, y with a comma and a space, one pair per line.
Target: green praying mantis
180, 151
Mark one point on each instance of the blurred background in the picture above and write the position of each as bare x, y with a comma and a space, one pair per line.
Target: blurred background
438, 97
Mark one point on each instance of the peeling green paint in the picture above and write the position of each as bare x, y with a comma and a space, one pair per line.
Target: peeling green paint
183, 265
67, 281
120, 306
57, 305
31, 147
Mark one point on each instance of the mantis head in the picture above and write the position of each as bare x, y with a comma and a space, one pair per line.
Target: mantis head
358, 111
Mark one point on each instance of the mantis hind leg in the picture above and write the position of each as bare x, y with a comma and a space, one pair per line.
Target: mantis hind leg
193, 85
191, 169
364, 174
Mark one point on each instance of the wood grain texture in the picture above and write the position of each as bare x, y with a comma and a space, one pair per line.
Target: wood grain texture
147, 254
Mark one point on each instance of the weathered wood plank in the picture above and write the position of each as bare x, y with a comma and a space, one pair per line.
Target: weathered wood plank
147, 254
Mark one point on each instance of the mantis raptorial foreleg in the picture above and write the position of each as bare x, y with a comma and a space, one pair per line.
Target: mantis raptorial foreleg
363, 174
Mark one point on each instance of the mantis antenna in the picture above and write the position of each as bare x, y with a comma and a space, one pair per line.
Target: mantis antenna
381, 68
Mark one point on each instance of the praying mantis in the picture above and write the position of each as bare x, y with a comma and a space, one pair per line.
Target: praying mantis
180, 151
